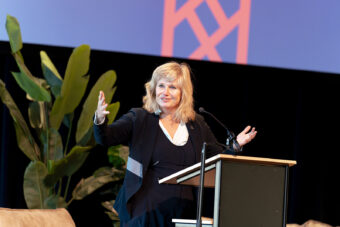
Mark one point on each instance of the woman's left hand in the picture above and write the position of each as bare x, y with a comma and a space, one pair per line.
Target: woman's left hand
246, 135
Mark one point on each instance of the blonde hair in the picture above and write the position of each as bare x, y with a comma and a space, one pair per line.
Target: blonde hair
172, 71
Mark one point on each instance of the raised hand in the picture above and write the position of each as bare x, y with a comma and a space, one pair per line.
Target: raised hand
246, 135
101, 108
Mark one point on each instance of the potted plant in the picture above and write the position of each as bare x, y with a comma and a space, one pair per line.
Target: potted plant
53, 99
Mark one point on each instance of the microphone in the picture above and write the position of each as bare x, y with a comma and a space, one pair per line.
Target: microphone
231, 138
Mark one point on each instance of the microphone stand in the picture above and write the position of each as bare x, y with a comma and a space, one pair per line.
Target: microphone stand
200, 191
231, 138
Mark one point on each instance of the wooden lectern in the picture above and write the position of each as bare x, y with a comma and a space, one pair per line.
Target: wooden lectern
249, 191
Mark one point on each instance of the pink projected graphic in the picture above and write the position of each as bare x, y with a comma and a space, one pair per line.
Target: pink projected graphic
208, 43
232, 31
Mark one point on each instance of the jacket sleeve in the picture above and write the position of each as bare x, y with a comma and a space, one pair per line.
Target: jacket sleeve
119, 132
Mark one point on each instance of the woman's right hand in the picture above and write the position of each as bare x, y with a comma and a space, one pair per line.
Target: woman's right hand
101, 108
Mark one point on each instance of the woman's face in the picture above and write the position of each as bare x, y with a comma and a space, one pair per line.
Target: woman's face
168, 95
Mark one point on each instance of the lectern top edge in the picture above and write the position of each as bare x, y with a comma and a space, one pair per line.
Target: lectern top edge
232, 158
257, 159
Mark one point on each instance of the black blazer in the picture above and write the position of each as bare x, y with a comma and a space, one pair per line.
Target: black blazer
138, 128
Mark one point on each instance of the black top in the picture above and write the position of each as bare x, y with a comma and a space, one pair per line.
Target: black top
156, 204
140, 129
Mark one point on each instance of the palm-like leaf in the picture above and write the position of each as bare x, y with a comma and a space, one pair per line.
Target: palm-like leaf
24, 137
68, 165
104, 83
113, 109
100, 177
35, 91
34, 190
51, 74
14, 34
74, 85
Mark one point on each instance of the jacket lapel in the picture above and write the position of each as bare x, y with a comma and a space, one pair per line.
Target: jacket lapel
196, 139
152, 130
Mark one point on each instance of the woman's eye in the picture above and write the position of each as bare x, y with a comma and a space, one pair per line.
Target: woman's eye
161, 85
172, 87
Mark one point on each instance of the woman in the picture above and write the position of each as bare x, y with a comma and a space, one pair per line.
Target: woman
164, 136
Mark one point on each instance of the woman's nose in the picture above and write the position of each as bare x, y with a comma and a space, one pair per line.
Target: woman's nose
166, 90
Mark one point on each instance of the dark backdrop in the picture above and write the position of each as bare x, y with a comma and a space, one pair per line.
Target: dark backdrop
295, 112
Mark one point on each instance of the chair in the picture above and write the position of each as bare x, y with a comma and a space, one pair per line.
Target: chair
310, 223
35, 217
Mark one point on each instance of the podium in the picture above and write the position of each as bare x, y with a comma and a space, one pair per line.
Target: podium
249, 191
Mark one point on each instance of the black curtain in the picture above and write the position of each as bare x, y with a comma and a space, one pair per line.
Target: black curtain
295, 112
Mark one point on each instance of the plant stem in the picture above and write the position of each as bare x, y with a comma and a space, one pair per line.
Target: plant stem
67, 186
59, 188
69, 202
47, 133
68, 136
40, 191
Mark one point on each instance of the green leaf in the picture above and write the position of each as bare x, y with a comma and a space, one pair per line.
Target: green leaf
92, 183
104, 83
114, 156
54, 145
113, 109
87, 139
114, 218
26, 144
23, 68
34, 115
51, 74
24, 138
112, 213
109, 205
75, 80
68, 165
57, 113
68, 119
35, 91
120, 150
74, 85
14, 34
55, 201
56, 90
35, 191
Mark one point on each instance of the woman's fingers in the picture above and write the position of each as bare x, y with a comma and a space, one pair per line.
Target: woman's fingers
246, 129
246, 135
102, 108
101, 111
101, 99
102, 105
101, 94
252, 134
